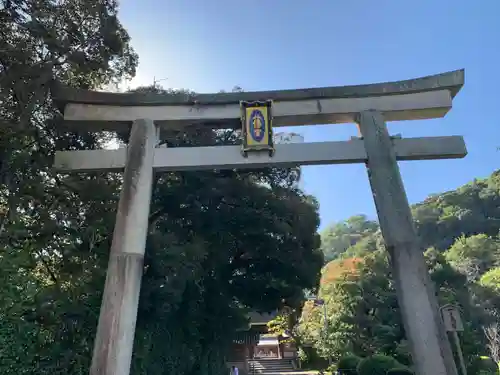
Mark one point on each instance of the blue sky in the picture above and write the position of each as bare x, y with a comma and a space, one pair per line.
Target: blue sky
281, 44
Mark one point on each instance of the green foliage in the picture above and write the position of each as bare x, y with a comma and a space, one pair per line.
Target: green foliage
226, 247
467, 211
348, 365
377, 364
283, 325
309, 359
400, 371
363, 316
460, 231
344, 236
482, 366
220, 242
53, 229
474, 255
467, 218
491, 279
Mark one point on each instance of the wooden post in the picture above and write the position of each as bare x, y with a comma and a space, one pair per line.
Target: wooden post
453, 324
116, 329
430, 349
458, 347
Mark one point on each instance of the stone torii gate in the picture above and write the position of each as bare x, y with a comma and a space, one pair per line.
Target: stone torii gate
370, 106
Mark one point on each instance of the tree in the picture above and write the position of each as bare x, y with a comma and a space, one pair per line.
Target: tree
377, 365
44, 218
474, 255
491, 279
253, 245
489, 294
460, 231
339, 237
467, 211
440, 220
348, 365
213, 237
492, 333
363, 312
363, 316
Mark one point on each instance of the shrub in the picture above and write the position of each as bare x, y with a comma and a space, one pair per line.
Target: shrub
332, 368
377, 364
482, 366
400, 371
302, 354
348, 365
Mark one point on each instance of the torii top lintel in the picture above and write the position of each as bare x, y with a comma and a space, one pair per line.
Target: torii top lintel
420, 98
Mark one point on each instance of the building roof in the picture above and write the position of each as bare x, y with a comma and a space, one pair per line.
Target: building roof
257, 318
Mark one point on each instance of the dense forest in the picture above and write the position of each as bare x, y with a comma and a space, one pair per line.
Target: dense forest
459, 231
219, 243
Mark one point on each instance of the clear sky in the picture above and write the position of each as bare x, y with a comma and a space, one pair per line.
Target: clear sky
208, 45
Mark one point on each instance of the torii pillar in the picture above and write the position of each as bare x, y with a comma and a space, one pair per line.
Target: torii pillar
417, 299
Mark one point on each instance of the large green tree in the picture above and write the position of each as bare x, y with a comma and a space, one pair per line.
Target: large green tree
343, 236
252, 246
474, 255
44, 218
363, 312
220, 242
460, 230
224, 242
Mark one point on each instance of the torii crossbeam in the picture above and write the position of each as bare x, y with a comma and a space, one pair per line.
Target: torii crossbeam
149, 116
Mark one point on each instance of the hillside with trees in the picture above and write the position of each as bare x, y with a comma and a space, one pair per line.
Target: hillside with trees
459, 230
441, 220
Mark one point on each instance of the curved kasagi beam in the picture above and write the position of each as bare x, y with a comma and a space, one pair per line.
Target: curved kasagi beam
420, 98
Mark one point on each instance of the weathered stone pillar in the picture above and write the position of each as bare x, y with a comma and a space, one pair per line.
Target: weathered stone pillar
116, 329
430, 348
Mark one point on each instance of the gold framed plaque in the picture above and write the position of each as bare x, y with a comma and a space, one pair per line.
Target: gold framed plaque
257, 127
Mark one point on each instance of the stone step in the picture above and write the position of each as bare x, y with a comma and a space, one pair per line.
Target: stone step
274, 368
270, 366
